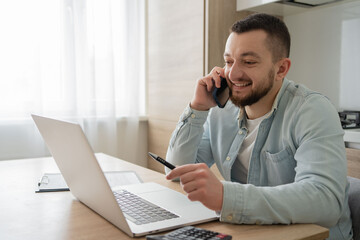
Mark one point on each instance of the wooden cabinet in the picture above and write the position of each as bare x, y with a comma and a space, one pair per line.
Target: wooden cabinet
185, 40
175, 60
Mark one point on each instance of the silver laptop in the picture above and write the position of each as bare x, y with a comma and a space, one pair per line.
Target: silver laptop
85, 178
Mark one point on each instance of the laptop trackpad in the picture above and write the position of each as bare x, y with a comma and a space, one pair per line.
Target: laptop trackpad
167, 198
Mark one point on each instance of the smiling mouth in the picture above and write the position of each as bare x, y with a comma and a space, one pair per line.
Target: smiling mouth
241, 84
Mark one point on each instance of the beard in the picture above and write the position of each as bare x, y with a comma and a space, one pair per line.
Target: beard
255, 94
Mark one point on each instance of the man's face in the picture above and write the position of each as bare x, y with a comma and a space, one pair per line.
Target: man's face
249, 67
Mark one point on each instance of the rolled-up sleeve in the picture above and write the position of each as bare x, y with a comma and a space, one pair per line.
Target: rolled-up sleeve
186, 138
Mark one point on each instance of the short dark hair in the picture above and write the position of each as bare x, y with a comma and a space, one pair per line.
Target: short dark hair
278, 39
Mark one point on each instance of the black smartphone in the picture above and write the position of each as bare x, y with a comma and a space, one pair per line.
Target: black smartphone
221, 95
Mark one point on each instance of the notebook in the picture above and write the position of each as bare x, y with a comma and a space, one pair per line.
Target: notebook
78, 164
54, 182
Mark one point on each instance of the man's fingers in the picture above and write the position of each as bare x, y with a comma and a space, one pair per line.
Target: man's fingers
216, 73
181, 170
190, 186
209, 83
213, 79
196, 195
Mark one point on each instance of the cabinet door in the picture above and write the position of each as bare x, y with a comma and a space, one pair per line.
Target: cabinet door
220, 16
175, 61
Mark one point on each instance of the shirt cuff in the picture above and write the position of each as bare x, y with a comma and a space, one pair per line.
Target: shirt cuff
233, 202
194, 116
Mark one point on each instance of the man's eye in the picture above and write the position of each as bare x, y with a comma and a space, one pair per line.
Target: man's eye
249, 62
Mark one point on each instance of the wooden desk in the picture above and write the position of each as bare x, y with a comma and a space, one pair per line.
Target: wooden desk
25, 214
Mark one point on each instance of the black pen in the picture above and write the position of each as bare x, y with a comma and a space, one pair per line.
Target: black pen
162, 161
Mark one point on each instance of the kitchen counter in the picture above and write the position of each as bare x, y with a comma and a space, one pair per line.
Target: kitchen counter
352, 138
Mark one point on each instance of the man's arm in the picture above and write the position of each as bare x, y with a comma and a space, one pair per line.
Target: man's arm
187, 138
189, 143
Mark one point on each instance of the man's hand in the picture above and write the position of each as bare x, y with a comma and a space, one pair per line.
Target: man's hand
202, 99
200, 184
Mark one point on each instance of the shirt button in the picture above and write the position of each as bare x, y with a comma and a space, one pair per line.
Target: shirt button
228, 158
192, 115
229, 218
240, 132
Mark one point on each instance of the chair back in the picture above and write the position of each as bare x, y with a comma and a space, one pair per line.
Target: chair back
354, 204
353, 162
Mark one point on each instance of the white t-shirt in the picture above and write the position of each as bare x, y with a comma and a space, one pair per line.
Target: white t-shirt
239, 170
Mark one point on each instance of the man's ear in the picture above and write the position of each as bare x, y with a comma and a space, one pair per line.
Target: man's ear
283, 67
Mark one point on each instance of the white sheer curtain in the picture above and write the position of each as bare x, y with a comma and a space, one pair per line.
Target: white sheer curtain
79, 60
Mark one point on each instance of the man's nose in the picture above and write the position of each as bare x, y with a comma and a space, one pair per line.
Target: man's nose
235, 72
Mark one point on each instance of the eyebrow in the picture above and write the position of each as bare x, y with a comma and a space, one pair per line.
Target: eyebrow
245, 54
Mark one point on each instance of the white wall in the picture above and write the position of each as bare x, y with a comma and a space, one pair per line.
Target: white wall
325, 52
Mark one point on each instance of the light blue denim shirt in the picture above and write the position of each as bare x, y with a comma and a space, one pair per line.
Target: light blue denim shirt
297, 171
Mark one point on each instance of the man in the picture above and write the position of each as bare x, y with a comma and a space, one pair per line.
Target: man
278, 145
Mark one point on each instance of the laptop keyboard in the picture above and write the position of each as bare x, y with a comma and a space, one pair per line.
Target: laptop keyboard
140, 211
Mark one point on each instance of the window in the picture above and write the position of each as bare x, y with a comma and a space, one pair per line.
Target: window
71, 58
78, 60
